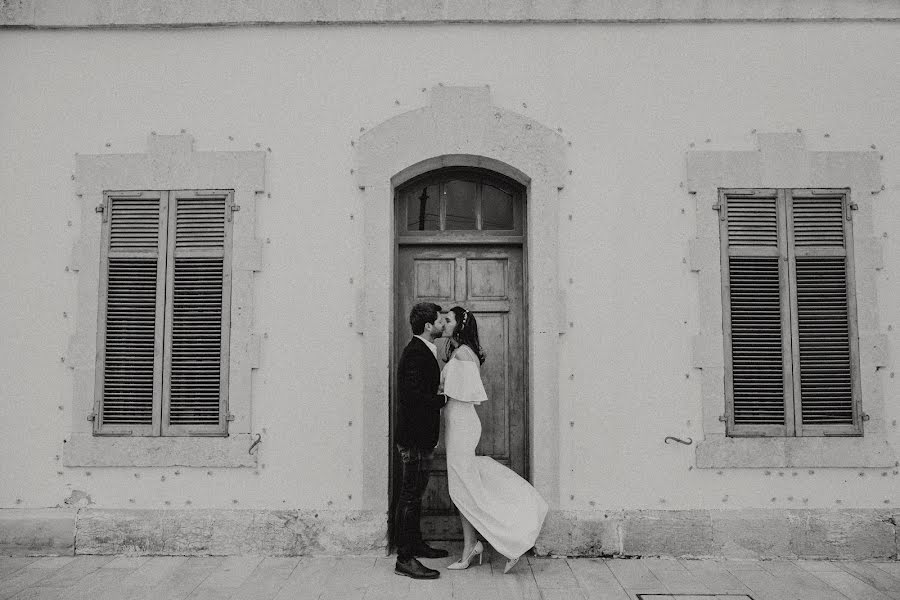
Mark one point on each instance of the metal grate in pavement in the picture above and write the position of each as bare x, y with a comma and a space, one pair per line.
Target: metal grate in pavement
694, 597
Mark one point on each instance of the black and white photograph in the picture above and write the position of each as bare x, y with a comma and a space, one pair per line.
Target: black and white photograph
450, 299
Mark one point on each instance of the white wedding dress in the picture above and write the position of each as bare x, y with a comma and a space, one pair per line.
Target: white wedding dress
504, 508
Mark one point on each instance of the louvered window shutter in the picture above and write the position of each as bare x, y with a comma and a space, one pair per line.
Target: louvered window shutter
755, 317
195, 380
130, 326
789, 313
825, 361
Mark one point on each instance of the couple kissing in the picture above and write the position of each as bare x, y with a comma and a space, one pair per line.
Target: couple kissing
494, 503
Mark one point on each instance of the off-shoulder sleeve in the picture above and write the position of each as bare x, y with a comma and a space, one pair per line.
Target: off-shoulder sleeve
462, 381
466, 353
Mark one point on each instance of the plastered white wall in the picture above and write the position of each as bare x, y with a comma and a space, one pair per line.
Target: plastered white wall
630, 98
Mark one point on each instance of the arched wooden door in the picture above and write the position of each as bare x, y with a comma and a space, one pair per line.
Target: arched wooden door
460, 236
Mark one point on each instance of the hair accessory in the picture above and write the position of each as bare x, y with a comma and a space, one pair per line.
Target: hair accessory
465, 318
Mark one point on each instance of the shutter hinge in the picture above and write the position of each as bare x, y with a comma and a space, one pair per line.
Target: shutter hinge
721, 208
230, 417
865, 416
92, 417
233, 208
722, 418
101, 208
850, 208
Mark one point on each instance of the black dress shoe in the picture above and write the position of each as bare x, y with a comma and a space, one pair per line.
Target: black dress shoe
415, 569
423, 550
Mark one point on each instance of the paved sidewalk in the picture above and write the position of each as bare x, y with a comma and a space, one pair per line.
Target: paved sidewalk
373, 578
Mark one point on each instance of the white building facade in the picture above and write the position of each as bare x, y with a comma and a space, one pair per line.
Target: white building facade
674, 222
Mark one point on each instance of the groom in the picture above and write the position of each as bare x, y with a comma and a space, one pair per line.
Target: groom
418, 424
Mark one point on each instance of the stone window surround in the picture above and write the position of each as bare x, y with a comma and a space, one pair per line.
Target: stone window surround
461, 128
782, 161
170, 163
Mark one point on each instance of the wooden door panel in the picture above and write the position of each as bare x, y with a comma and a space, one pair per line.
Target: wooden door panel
493, 333
435, 279
437, 499
487, 278
487, 281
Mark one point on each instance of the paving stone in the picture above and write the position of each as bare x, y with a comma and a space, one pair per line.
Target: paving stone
231, 574
185, 579
373, 578
714, 575
11, 565
596, 579
31, 575
76, 570
850, 586
808, 586
267, 579
552, 573
877, 578
636, 577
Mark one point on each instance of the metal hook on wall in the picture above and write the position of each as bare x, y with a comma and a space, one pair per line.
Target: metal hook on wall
255, 443
679, 440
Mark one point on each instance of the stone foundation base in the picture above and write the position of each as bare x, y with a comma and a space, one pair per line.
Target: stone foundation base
37, 532
213, 532
224, 532
850, 534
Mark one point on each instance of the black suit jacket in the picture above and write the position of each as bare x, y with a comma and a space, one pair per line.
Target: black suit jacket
419, 414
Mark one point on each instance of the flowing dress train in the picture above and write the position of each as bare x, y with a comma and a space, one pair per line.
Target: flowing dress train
504, 508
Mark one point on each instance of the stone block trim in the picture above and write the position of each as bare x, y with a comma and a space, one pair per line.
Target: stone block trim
782, 161
796, 452
461, 127
85, 450
122, 13
229, 532
856, 534
37, 532
852, 534
170, 163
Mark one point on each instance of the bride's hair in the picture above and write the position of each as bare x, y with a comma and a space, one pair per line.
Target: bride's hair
466, 332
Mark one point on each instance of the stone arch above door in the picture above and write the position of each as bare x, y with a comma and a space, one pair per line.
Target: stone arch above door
461, 128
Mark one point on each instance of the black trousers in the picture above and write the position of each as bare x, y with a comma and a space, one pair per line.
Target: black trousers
415, 464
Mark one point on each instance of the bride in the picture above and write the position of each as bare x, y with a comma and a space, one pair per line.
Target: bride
492, 500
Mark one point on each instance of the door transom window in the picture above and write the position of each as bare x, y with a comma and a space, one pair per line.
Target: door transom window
460, 200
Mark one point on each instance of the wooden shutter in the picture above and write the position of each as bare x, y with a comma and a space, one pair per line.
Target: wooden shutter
130, 326
825, 361
755, 320
198, 313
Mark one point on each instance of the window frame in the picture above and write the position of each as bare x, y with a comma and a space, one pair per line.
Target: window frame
169, 162
480, 177
782, 159
166, 250
787, 253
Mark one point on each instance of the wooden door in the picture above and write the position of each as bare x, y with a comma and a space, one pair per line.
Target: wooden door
488, 281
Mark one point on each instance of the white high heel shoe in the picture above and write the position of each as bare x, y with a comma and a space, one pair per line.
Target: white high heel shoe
477, 550
510, 564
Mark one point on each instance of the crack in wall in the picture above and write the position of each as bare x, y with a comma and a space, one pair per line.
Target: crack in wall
75, 533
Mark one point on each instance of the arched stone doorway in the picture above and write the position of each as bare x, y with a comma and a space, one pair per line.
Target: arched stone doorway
460, 233
461, 129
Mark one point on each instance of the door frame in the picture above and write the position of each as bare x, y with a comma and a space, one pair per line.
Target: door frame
519, 239
458, 126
